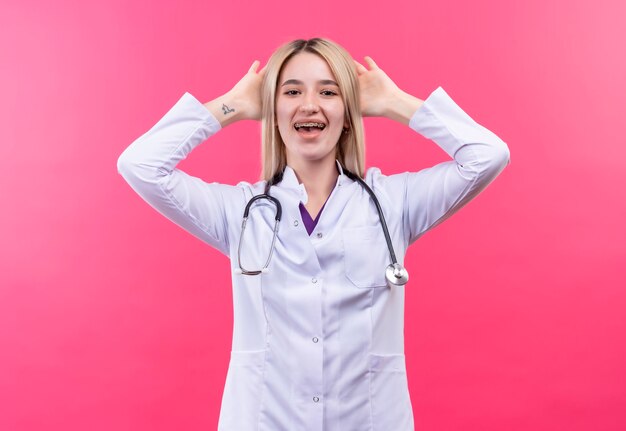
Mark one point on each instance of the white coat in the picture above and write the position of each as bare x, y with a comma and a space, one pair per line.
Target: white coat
317, 340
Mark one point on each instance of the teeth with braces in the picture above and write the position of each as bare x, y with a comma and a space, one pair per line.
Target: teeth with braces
298, 126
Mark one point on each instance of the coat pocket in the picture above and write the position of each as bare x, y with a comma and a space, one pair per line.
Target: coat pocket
389, 393
366, 256
241, 401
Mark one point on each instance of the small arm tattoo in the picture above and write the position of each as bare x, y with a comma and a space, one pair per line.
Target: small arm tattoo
226, 109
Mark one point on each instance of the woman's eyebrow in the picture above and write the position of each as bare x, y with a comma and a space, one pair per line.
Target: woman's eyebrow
298, 82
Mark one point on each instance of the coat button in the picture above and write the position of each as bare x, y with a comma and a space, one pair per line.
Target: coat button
314, 280
315, 399
295, 223
315, 339
319, 234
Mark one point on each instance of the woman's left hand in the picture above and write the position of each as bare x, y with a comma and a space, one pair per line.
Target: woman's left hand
377, 89
381, 97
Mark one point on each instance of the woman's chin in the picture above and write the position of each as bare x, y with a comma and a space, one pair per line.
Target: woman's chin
312, 156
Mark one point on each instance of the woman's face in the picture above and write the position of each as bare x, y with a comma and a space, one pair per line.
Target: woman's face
308, 93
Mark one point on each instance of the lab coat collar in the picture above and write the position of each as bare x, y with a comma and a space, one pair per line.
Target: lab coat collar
290, 181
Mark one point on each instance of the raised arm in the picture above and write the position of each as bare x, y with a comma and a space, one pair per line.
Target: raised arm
432, 195
149, 163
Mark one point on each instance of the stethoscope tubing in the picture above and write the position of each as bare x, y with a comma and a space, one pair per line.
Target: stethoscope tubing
396, 274
381, 216
279, 214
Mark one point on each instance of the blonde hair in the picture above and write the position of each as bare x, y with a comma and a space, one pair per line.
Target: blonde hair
351, 145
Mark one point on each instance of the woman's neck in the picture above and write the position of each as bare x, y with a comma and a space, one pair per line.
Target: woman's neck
319, 179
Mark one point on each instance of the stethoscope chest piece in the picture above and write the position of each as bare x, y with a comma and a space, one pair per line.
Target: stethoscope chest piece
396, 275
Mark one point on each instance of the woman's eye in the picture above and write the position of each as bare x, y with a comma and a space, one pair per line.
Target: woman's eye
323, 92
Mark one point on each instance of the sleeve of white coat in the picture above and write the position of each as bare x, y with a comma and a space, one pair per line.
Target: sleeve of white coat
432, 195
149, 167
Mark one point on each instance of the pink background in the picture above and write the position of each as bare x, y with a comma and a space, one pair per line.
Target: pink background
113, 318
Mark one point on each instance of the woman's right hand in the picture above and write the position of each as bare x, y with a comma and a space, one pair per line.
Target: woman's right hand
247, 92
243, 101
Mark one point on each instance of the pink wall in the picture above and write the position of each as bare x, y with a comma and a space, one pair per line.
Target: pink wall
113, 318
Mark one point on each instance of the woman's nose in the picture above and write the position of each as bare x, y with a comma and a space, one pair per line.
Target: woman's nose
309, 104
309, 107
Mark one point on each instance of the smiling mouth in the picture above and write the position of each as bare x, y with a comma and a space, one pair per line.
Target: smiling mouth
309, 126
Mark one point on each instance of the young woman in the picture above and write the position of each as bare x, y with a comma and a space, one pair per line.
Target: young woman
318, 309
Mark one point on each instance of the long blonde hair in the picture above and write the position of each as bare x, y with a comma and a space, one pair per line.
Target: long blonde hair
351, 145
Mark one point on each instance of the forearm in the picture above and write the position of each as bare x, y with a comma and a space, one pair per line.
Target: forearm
475, 149
157, 152
402, 106
149, 166
226, 109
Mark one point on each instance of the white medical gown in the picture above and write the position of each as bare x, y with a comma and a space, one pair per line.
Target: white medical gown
318, 339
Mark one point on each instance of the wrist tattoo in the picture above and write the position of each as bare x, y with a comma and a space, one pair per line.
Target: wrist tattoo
226, 109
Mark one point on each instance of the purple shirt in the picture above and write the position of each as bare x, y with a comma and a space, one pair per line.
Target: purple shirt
309, 223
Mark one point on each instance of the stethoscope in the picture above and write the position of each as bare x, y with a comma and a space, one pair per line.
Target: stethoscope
395, 273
